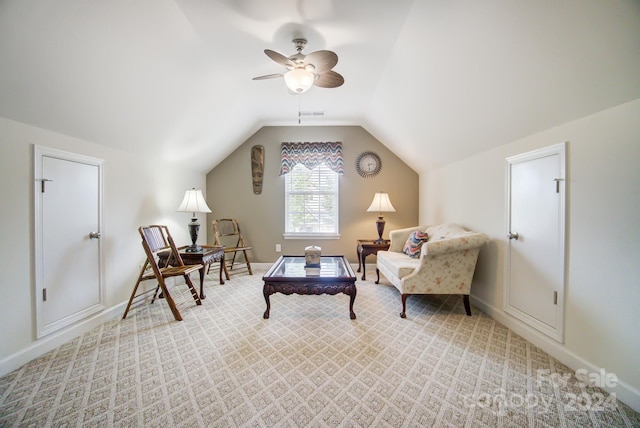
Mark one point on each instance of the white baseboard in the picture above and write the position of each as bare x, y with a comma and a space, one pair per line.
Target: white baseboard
52, 341
262, 266
623, 391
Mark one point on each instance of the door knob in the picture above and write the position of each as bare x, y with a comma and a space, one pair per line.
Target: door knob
94, 235
513, 236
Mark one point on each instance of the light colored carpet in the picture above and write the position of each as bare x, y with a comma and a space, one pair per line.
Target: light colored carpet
307, 366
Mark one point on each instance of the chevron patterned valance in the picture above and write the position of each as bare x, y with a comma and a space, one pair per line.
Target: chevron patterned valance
311, 155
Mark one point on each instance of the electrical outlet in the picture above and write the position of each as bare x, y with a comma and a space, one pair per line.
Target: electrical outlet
278, 248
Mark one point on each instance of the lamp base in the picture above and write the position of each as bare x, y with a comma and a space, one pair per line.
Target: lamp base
380, 226
194, 228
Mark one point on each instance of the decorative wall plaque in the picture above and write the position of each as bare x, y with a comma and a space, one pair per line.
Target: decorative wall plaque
257, 168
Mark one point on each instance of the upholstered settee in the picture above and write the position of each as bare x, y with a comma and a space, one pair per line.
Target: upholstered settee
444, 264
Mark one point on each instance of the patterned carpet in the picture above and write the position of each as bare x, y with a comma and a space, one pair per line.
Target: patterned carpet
309, 365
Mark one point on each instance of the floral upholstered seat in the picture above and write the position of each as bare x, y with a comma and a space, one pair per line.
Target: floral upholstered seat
444, 263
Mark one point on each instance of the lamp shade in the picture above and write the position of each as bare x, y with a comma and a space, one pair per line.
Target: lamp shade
194, 202
299, 80
381, 204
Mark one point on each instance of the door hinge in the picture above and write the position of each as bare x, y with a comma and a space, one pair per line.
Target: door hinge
555, 297
42, 181
558, 180
44, 294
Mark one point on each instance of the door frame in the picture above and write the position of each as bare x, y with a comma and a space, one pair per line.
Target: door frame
39, 152
557, 149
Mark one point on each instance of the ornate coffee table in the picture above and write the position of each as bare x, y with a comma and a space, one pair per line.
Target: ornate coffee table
288, 276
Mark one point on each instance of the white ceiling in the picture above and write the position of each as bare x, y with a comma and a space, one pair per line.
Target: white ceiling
433, 80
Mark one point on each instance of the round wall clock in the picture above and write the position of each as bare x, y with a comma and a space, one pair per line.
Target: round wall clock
368, 164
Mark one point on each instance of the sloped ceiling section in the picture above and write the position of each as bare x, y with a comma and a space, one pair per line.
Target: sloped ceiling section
434, 80
468, 76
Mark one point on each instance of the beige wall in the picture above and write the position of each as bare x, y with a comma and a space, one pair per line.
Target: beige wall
603, 236
137, 191
230, 192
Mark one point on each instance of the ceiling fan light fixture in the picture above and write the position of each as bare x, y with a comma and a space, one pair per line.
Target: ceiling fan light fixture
299, 80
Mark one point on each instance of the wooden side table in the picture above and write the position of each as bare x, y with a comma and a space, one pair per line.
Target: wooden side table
208, 255
366, 247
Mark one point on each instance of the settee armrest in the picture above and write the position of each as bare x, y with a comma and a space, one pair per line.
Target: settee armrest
458, 243
399, 236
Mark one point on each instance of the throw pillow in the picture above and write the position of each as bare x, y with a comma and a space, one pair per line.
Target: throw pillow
414, 243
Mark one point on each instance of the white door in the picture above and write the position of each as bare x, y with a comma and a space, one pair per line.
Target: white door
534, 291
68, 216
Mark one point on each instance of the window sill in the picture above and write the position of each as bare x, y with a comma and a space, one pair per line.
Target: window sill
311, 236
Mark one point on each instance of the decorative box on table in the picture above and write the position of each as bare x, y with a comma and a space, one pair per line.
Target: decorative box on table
312, 256
312, 260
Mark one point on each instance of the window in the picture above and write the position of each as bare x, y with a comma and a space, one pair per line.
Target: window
311, 202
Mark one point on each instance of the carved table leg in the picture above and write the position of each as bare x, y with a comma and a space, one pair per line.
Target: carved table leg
363, 256
221, 269
201, 271
352, 298
266, 293
358, 254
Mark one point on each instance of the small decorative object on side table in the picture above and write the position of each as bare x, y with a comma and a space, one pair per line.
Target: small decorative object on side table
367, 247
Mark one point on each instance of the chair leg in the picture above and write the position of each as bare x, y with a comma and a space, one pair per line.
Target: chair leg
194, 293
135, 288
246, 259
155, 295
133, 294
224, 265
403, 314
467, 306
233, 260
378, 274
169, 299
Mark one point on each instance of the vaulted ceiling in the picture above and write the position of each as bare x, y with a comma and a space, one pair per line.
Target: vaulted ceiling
433, 80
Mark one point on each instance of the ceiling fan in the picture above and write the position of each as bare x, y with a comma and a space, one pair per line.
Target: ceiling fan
305, 71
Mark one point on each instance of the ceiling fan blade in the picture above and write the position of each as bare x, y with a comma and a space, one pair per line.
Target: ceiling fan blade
330, 79
279, 58
322, 60
267, 76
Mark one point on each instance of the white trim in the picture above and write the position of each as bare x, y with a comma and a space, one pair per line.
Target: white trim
54, 340
311, 236
556, 332
623, 390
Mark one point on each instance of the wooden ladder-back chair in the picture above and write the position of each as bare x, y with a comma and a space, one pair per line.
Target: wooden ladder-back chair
226, 232
156, 238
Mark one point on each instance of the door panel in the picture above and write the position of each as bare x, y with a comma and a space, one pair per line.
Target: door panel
535, 260
68, 280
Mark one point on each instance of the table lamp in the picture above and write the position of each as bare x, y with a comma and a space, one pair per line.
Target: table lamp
380, 204
194, 202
